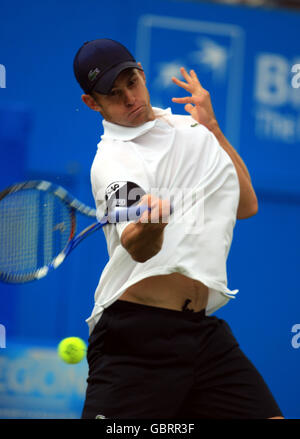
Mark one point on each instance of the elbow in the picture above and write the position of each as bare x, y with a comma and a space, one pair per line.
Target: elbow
252, 211
249, 210
141, 253
142, 246
140, 258
255, 207
144, 254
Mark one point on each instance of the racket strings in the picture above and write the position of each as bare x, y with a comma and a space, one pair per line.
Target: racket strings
35, 226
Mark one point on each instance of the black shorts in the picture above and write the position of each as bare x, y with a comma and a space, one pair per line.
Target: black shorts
147, 362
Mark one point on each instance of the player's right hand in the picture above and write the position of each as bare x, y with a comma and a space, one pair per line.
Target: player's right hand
160, 210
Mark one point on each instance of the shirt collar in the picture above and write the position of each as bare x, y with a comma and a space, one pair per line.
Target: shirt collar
118, 132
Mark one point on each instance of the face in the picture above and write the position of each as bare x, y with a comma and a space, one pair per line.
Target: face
128, 102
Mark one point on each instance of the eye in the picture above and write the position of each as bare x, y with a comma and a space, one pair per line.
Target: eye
132, 82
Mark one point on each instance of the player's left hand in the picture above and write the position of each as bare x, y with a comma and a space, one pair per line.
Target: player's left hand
199, 103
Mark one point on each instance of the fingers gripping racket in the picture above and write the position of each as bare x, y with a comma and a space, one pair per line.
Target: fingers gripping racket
38, 226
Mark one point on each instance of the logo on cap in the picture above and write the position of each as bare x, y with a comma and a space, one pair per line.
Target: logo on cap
93, 74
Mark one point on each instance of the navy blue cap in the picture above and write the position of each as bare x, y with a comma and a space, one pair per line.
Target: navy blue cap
98, 63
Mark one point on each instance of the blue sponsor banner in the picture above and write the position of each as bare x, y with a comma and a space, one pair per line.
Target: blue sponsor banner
251, 71
35, 383
214, 50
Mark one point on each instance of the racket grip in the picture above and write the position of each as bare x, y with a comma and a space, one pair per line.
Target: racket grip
133, 213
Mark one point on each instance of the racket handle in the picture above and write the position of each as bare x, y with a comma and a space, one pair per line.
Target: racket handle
122, 214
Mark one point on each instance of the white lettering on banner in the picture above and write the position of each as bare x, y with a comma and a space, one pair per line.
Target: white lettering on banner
277, 116
271, 86
296, 337
2, 337
296, 78
275, 125
37, 372
2, 76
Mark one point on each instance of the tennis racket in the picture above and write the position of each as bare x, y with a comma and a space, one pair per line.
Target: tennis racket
38, 226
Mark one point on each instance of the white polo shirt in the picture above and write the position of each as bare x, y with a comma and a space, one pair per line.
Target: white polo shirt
170, 155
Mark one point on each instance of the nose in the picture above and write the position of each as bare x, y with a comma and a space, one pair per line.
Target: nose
129, 98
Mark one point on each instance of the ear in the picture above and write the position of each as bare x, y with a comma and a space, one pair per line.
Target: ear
90, 102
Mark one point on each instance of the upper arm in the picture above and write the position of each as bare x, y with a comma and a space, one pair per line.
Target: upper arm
118, 179
118, 194
123, 194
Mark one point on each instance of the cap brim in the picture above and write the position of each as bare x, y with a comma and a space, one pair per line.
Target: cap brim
106, 81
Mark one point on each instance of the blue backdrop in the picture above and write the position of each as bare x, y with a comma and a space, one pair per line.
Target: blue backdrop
244, 57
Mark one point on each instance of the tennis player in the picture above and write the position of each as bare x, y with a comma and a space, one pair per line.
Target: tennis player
155, 349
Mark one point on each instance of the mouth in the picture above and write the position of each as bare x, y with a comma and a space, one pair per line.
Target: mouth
136, 111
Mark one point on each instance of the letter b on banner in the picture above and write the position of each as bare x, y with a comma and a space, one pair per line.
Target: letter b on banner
271, 80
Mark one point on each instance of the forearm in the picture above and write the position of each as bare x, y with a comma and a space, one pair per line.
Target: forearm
143, 240
200, 108
248, 205
235, 157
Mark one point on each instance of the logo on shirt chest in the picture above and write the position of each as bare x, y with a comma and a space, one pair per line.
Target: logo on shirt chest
122, 193
111, 189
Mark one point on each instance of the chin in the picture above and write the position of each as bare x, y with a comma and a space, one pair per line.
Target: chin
140, 119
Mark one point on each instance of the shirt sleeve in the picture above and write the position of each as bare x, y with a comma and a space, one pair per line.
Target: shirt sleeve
117, 182
123, 194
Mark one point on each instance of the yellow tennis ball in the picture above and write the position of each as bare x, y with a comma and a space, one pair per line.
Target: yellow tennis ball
71, 350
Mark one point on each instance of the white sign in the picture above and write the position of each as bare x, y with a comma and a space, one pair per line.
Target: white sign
277, 94
214, 50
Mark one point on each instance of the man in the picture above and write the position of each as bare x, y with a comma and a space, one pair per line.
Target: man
155, 351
